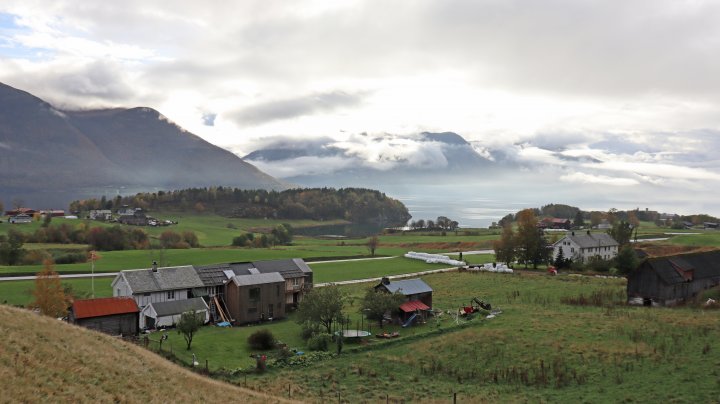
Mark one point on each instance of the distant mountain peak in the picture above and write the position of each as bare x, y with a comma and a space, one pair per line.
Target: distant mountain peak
445, 137
45, 150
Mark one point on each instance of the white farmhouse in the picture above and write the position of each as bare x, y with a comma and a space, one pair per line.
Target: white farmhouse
156, 285
583, 246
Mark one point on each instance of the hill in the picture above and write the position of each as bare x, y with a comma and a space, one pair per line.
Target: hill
45, 360
49, 156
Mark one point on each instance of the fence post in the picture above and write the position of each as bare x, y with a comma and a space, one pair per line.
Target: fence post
207, 369
454, 397
289, 394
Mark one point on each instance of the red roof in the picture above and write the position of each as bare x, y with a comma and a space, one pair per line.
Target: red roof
106, 306
412, 305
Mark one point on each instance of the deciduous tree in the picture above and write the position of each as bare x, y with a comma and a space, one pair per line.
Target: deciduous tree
530, 242
189, 324
373, 244
505, 249
322, 306
49, 294
376, 304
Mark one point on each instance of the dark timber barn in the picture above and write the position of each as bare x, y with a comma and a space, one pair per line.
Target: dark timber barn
111, 315
665, 281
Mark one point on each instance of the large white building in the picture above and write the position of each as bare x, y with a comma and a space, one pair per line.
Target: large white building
584, 246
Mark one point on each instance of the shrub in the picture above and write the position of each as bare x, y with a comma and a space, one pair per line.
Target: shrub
240, 241
261, 340
35, 257
308, 330
319, 342
71, 258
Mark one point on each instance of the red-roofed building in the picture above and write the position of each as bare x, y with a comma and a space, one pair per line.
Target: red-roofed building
111, 315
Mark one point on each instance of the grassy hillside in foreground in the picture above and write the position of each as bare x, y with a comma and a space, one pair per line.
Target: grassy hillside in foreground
45, 360
540, 349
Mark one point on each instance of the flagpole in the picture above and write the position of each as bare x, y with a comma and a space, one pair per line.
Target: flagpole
92, 276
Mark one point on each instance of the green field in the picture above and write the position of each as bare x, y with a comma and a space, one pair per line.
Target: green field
538, 350
16, 292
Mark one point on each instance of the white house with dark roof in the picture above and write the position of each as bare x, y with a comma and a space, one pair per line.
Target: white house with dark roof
167, 313
583, 246
154, 285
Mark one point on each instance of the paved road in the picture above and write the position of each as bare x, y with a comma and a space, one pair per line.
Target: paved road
108, 274
66, 276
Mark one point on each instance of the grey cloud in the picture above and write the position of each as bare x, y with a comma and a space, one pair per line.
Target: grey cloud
294, 107
97, 84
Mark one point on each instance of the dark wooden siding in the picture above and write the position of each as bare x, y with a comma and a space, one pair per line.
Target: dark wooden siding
125, 324
245, 310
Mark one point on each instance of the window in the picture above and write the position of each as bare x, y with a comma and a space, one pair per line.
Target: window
118, 292
171, 294
277, 290
254, 293
296, 281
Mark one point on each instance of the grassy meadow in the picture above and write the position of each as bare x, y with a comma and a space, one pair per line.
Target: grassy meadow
542, 348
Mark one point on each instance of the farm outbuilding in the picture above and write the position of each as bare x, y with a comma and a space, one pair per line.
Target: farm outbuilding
418, 295
111, 315
666, 281
167, 314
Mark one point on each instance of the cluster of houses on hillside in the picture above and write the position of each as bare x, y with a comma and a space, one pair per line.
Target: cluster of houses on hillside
127, 215
27, 215
235, 293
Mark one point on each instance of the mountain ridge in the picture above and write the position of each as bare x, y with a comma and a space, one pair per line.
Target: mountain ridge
45, 150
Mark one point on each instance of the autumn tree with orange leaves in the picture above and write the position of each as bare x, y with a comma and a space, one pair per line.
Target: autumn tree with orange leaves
49, 295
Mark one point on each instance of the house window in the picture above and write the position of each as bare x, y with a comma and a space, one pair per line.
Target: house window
277, 290
572, 249
296, 281
171, 295
254, 293
118, 292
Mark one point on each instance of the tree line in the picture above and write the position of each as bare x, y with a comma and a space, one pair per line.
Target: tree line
441, 223
527, 244
357, 205
98, 238
581, 218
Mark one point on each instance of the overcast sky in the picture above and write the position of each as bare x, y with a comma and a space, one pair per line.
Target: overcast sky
634, 83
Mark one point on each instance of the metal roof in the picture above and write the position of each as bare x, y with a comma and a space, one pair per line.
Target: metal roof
413, 305
106, 306
166, 278
258, 279
407, 287
684, 267
173, 307
213, 275
217, 274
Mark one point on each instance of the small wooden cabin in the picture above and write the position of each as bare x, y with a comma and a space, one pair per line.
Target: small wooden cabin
111, 315
418, 295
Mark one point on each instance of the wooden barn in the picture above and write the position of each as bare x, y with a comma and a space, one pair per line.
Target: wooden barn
111, 315
666, 281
